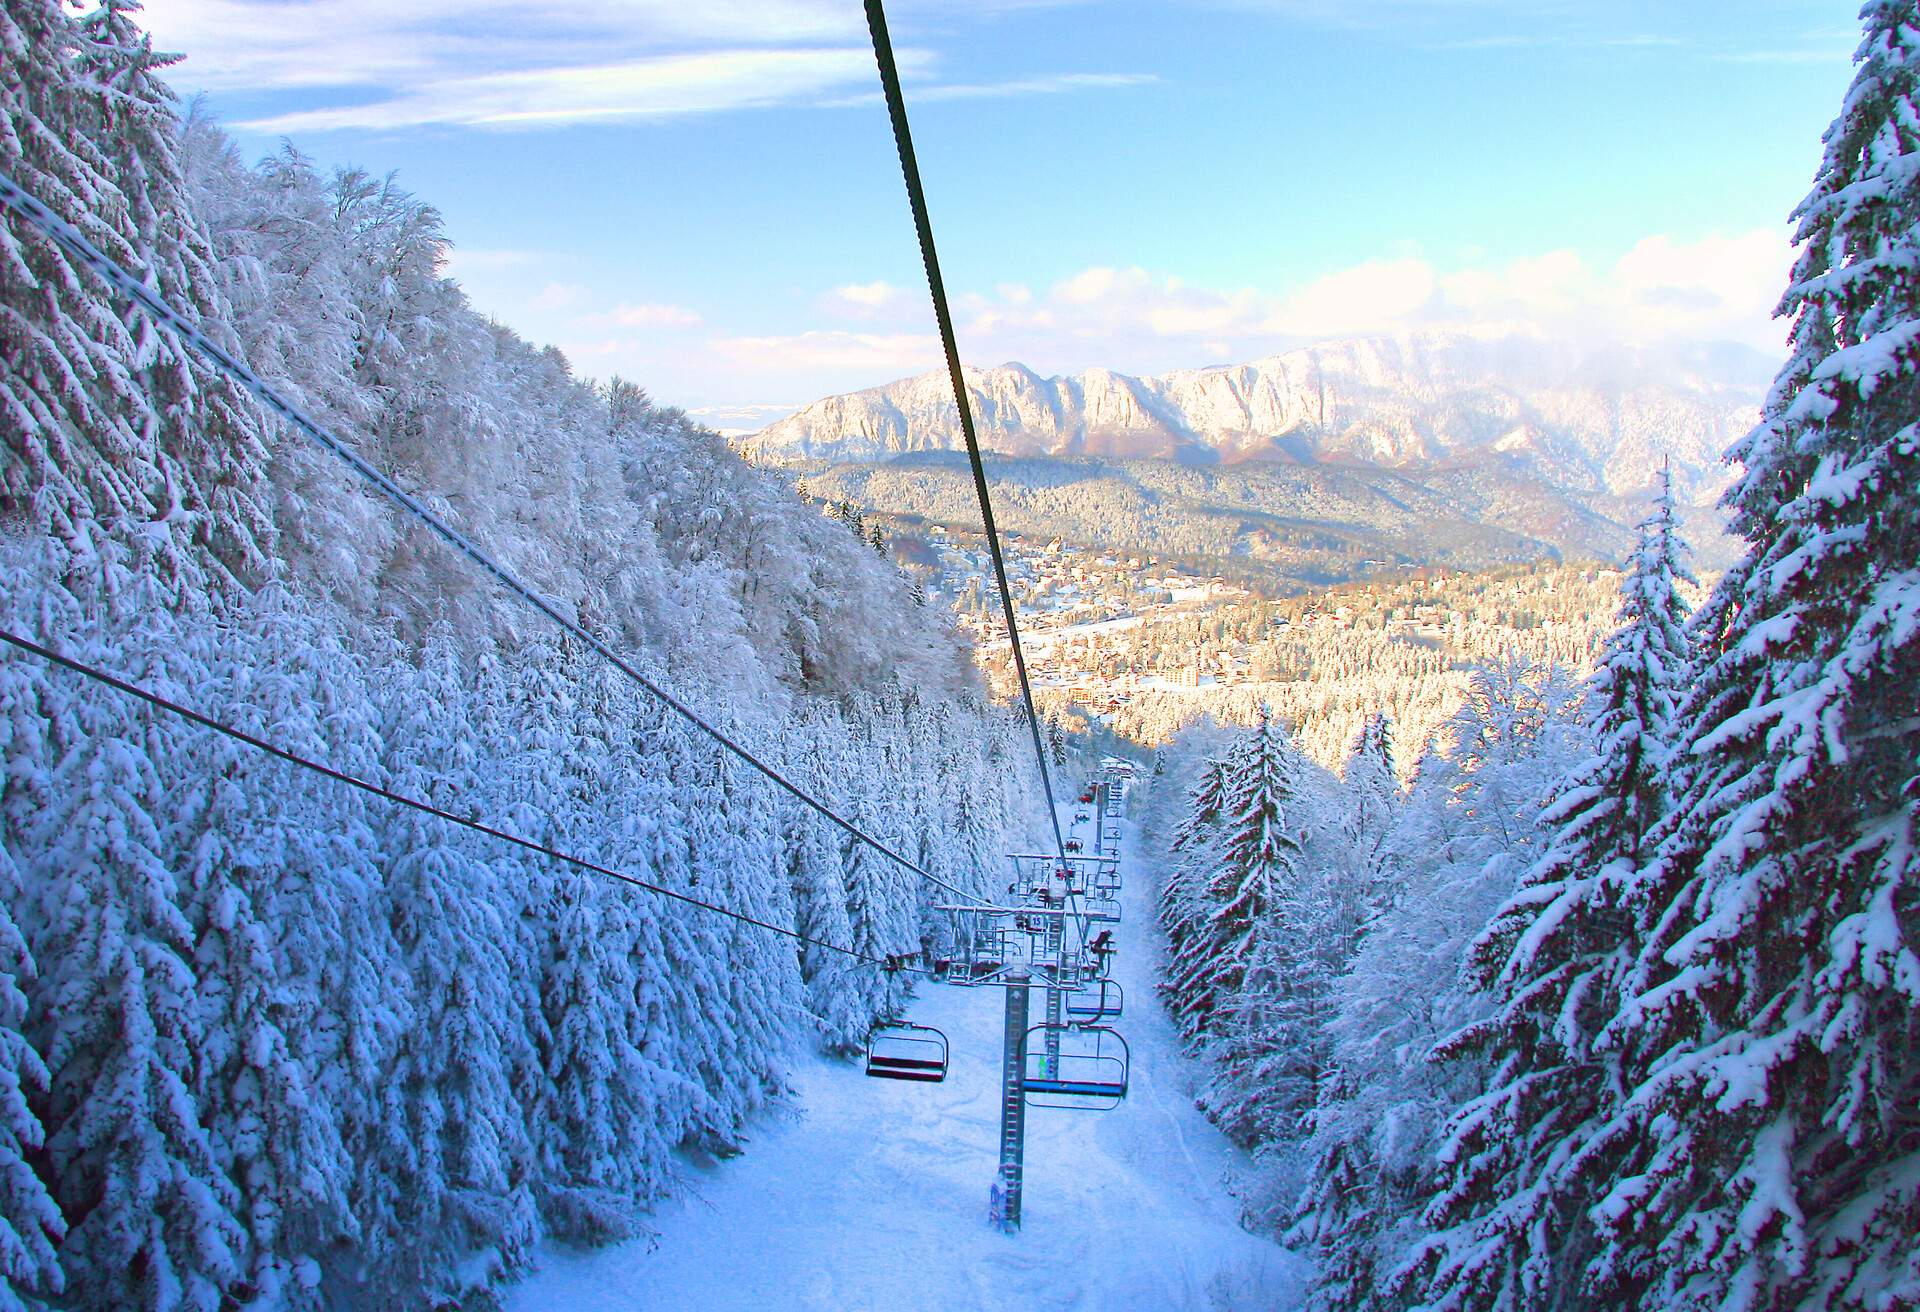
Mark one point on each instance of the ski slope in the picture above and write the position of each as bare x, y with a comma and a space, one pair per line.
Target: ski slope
873, 1193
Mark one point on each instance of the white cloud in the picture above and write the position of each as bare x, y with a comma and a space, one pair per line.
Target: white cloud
353, 43
1715, 289
600, 348
745, 416
1661, 290
535, 63
865, 300
660, 86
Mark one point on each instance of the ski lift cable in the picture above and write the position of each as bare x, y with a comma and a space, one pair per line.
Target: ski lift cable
16, 198
917, 198
891, 964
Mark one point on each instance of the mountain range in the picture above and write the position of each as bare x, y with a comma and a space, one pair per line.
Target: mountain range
1502, 443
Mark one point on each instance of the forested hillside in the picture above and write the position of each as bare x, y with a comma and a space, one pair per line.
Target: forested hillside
1616, 1006
1324, 663
1278, 523
266, 1041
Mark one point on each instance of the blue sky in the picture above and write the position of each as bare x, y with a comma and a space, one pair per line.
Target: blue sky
704, 197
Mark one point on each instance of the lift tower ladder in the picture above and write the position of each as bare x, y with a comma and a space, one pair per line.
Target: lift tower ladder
1005, 1209
1056, 995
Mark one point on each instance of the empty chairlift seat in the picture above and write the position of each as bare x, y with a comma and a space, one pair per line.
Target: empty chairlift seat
901, 1051
1102, 999
1088, 1074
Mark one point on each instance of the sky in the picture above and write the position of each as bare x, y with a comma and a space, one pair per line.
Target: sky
704, 197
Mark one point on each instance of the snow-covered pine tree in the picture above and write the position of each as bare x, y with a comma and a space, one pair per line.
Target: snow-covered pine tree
835, 985
1192, 861
199, 433
1769, 1044
1372, 793
74, 416
30, 1221
116, 1015
340, 1001
1518, 1179
663, 1102
231, 811
1455, 847
1204, 806
735, 845
1270, 1045
31, 1225
1258, 857
456, 1159
543, 761
689, 963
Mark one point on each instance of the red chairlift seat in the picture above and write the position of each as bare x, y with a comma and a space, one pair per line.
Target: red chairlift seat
899, 1050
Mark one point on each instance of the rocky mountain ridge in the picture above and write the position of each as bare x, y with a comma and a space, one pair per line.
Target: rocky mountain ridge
1589, 421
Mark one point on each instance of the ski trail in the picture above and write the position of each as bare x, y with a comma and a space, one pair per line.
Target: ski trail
873, 1194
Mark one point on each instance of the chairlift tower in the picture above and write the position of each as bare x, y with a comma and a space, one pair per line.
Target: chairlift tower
1056, 996
1005, 1209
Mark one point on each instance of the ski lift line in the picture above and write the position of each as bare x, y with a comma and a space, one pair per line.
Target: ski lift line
29, 207
991, 910
134, 690
923, 225
1076, 856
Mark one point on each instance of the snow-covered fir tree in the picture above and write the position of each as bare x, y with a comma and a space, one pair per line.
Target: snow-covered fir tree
31, 1224
199, 435
1256, 856
1513, 1210
1766, 1046
117, 1023
75, 417
1191, 858
1371, 786
1454, 853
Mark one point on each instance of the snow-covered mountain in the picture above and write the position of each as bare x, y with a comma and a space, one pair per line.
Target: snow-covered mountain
1579, 418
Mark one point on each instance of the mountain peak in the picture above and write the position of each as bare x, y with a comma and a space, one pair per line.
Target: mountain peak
1589, 418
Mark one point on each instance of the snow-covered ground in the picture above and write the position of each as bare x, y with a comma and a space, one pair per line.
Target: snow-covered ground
873, 1194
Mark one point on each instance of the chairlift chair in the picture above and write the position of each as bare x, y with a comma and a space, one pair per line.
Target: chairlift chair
1102, 999
1091, 1072
899, 1050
